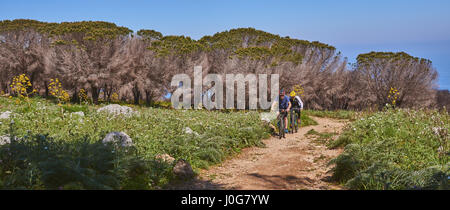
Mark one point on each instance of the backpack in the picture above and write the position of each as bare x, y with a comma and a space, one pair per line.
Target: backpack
298, 101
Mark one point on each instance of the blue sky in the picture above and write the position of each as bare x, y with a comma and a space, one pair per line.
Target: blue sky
418, 27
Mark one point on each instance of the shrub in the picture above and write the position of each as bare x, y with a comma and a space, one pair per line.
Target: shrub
395, 149
40, 162
82, 95
162, 104
56, 90
22, 87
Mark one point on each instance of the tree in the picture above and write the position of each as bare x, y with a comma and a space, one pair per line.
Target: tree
413, 77
22, 50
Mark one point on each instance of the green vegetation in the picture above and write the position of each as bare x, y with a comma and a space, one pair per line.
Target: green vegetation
312, 132
339, 114
306, 120
39, 162
87, 30
233, 39
215, 136
322, 138
175, 45
395, 149
258, 45
150, 34
242, 42
368, 58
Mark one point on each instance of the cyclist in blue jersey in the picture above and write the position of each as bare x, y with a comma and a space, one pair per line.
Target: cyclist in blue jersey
284, 105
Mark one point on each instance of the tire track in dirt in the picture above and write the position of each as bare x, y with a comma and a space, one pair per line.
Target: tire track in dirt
296, 162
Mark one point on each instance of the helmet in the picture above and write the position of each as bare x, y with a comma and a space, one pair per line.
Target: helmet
282, 93
292, 94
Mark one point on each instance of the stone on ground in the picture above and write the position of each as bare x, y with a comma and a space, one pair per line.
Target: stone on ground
188, 130
80, 113
5, 115
183, 169
5, 140
119, 138
116, 109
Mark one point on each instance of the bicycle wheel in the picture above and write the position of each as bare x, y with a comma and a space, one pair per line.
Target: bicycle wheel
295, 123
280, 128
292, 121
283, 126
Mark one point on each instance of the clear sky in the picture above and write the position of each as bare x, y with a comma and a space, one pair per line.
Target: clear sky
418, 27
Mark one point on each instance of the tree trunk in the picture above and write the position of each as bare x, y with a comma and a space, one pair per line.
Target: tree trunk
108, 92
75, 98
136, 95
95, 94
148, 97
46, 89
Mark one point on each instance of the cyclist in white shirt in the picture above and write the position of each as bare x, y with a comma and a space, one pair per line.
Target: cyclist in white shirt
297, 105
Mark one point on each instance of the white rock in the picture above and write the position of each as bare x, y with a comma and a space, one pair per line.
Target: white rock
80, 113
5, 140
116, 109
5, 115
119, 138
188, 130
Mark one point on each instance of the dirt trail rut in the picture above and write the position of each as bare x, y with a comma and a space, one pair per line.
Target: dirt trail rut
296, 162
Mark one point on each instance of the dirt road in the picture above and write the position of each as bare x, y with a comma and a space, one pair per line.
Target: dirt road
296, 162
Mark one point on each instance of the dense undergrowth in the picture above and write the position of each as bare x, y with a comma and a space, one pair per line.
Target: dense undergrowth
40, 162
71, 142
395, 149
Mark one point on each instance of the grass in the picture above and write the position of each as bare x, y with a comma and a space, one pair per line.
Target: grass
317, 159
154, 131
321, 138
395, 149
312, 132
339, 114
306, 120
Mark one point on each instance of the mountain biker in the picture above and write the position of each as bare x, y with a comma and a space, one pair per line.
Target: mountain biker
297, 105
284, 106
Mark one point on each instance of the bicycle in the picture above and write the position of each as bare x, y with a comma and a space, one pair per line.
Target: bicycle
281, 126
293, 121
